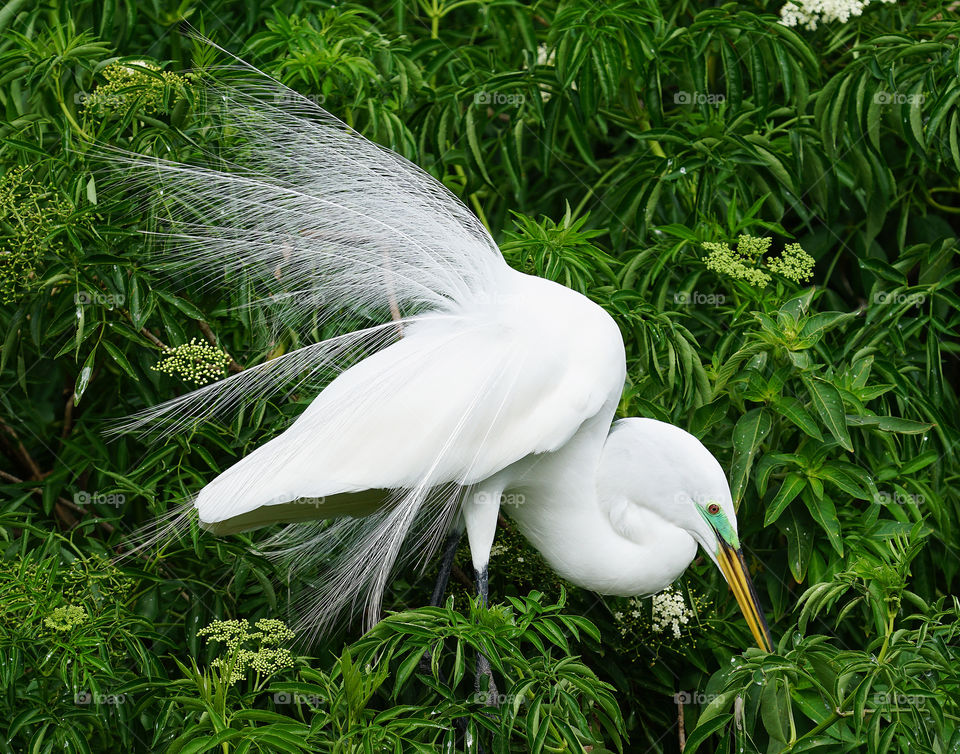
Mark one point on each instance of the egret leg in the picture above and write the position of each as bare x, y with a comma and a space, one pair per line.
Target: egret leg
483, 664
439, 589
480, 513
483, 586
446, 566
443, 579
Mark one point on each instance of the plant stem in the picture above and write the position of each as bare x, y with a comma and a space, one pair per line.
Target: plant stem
58, 93
891, 613
474, 200
435, 14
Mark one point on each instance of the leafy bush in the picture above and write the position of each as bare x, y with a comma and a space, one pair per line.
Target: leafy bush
621, 148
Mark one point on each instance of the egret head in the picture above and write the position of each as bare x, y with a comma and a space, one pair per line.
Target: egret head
668, 471
720, 541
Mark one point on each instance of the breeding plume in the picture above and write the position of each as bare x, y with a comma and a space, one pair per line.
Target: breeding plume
473, 383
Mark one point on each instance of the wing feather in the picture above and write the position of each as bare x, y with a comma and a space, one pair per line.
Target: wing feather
454, 402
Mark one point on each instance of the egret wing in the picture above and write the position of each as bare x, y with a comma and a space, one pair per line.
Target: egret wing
449, 403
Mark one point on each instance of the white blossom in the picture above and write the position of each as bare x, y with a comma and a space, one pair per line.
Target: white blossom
545, 56
811, 13
670, 611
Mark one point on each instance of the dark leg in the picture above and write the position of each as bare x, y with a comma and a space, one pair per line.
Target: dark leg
483, 586
443, 579
439, 590
483, 664
446, 565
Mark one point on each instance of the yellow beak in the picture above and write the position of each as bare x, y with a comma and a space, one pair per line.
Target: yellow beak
738, 577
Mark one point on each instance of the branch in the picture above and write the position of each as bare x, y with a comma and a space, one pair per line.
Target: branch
233, 366
21, 450
61, 501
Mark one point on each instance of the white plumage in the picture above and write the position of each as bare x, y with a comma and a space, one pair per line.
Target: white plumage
501, 384
459, 398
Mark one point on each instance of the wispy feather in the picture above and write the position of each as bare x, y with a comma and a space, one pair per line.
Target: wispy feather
318, 221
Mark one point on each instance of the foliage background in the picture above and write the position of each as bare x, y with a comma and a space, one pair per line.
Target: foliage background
601, 143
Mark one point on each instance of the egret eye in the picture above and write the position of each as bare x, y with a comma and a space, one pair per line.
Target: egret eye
713, 509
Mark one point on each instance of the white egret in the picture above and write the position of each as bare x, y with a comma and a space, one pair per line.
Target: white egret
499, 383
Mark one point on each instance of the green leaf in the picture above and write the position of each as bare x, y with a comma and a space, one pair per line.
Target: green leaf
825, 513
794, 410
83, 378
473, 140
748, 433
903, 426
118, 357
818, 324
828, 403
791, 487
799, 543
771, 710
406, 669
182, 304
705, 730
920, 462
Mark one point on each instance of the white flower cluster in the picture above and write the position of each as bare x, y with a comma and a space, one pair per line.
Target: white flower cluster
811, 13
670, 611
633, 605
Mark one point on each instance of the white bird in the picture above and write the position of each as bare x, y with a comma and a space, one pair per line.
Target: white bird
485, 386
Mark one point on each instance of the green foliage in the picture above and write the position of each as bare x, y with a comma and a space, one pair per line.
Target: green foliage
621, 148
548, 699
897, 693
32, 215
72, 643
561, 252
